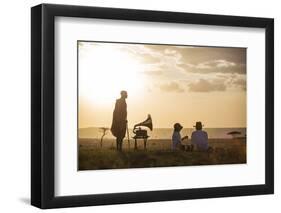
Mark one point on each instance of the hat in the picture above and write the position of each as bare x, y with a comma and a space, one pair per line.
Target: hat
177, 126
198, 124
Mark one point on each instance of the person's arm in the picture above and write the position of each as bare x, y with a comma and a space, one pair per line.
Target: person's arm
185, 137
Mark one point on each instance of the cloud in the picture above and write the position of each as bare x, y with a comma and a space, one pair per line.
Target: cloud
158, 60
169, 51
203, 85
215, 66
223, 63
219, 82
171, 87
240, 83
200, 54
189, 59
193, 59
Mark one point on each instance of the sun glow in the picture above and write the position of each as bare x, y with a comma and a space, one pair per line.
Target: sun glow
105, 70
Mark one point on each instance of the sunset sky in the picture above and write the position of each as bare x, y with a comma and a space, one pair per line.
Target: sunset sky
172, 83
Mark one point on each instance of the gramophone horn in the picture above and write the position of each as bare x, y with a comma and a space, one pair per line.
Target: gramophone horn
146, 123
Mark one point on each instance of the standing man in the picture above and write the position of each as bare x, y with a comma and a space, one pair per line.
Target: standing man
119, 121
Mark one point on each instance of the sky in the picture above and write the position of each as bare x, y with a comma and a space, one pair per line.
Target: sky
173, 83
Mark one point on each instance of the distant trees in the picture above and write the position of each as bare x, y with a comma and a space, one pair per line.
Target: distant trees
104, 132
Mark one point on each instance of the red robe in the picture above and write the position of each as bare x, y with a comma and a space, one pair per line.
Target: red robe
119, 121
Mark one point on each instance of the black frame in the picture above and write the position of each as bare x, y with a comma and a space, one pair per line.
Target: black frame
43, 93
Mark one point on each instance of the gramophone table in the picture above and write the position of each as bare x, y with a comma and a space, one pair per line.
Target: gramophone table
140, 137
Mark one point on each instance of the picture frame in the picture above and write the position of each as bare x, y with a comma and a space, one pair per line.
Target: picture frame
43, 128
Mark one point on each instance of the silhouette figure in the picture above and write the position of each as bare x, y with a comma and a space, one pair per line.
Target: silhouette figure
176, 137
119, 121
199, 138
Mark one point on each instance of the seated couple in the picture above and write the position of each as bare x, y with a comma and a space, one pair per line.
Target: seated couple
199, 138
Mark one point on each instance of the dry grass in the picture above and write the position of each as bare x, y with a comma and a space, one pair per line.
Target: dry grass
158, 154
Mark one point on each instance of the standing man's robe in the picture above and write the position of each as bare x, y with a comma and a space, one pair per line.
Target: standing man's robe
119, 121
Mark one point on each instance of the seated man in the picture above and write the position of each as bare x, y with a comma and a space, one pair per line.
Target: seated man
176, 138
199, 138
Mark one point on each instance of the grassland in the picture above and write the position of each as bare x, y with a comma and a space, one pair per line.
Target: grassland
158, 154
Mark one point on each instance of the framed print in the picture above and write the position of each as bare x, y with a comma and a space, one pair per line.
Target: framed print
139, 106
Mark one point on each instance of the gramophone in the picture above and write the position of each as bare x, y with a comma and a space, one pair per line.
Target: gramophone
142, 133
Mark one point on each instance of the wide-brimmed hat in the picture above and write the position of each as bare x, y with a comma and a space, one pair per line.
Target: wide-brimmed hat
198, 124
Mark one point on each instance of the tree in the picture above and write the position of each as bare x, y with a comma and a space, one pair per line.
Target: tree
104, 131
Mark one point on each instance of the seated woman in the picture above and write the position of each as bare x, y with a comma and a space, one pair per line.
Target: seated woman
176, 138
